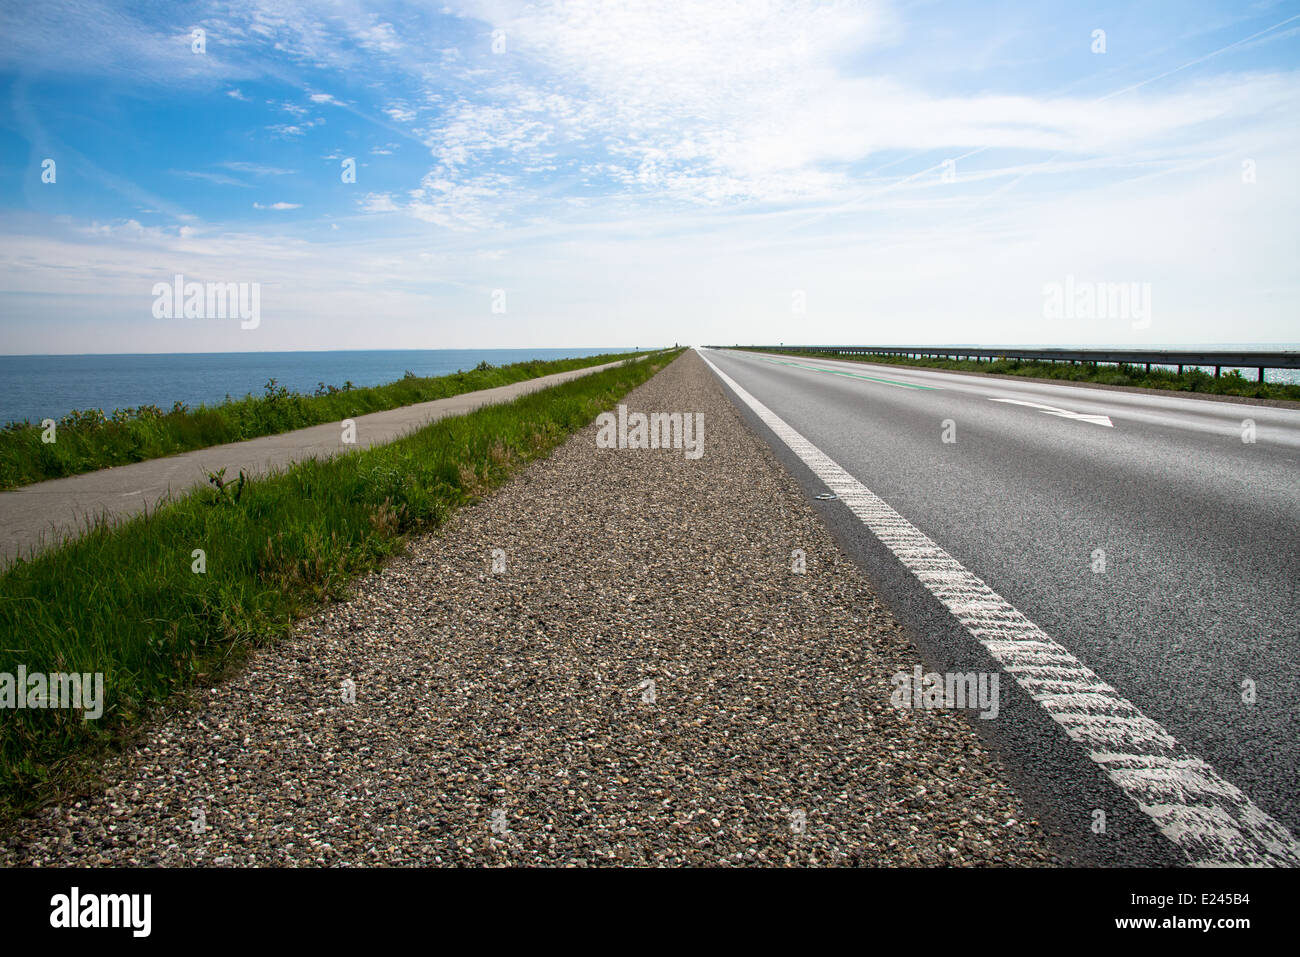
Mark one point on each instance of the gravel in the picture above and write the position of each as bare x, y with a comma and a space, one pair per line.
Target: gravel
507, 718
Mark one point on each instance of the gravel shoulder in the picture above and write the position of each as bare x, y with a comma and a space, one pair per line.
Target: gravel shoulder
508, 718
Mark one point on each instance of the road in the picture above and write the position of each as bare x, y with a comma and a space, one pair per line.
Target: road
1138, 531
34, 517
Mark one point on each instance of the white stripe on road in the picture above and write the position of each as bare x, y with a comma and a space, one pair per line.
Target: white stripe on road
1210, 820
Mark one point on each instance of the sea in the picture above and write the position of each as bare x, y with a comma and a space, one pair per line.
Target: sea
33, 388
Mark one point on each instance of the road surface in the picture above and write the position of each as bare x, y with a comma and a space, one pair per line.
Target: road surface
1139, 532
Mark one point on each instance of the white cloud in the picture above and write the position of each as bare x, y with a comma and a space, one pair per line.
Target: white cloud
722, 102
378, 203
278, 206
257, 169
219, 179
380, 38
286, 130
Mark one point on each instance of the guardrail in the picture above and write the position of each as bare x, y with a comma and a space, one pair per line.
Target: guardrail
1218, 359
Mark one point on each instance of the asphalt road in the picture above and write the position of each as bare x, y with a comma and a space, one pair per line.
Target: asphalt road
1198, 600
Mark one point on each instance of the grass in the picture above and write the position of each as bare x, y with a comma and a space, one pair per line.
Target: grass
124, 600
87, 440
1190, 380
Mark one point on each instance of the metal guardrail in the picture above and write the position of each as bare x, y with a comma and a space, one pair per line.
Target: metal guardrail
1218, 359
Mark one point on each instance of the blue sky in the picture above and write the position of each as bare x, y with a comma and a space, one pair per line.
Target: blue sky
633, 173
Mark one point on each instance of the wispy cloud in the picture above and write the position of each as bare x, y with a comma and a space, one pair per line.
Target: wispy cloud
257, 169
286, 130
218, 179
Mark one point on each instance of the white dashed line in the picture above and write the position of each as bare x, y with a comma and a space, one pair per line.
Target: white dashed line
1210, 820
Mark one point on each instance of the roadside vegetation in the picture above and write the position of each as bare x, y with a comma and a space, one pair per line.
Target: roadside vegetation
128, 602
1189, 380
87, 440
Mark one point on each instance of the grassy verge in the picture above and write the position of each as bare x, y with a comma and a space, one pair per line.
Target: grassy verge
1190, 380
88, 440
126, 602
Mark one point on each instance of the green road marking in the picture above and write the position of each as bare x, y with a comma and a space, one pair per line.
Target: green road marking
851, 375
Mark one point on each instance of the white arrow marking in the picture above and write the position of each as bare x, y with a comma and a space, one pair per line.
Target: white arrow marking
1063, 413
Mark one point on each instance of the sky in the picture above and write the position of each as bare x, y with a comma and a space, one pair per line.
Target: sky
493, 174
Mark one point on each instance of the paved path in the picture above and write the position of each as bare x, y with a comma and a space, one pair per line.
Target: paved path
35, 516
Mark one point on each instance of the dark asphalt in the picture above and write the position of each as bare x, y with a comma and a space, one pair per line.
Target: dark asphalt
1201, 533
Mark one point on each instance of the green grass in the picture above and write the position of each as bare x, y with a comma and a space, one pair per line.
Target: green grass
87, 440
124, 601
1190, 380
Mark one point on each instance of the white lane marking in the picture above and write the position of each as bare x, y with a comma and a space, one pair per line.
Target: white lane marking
1064, 413
1209, 819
